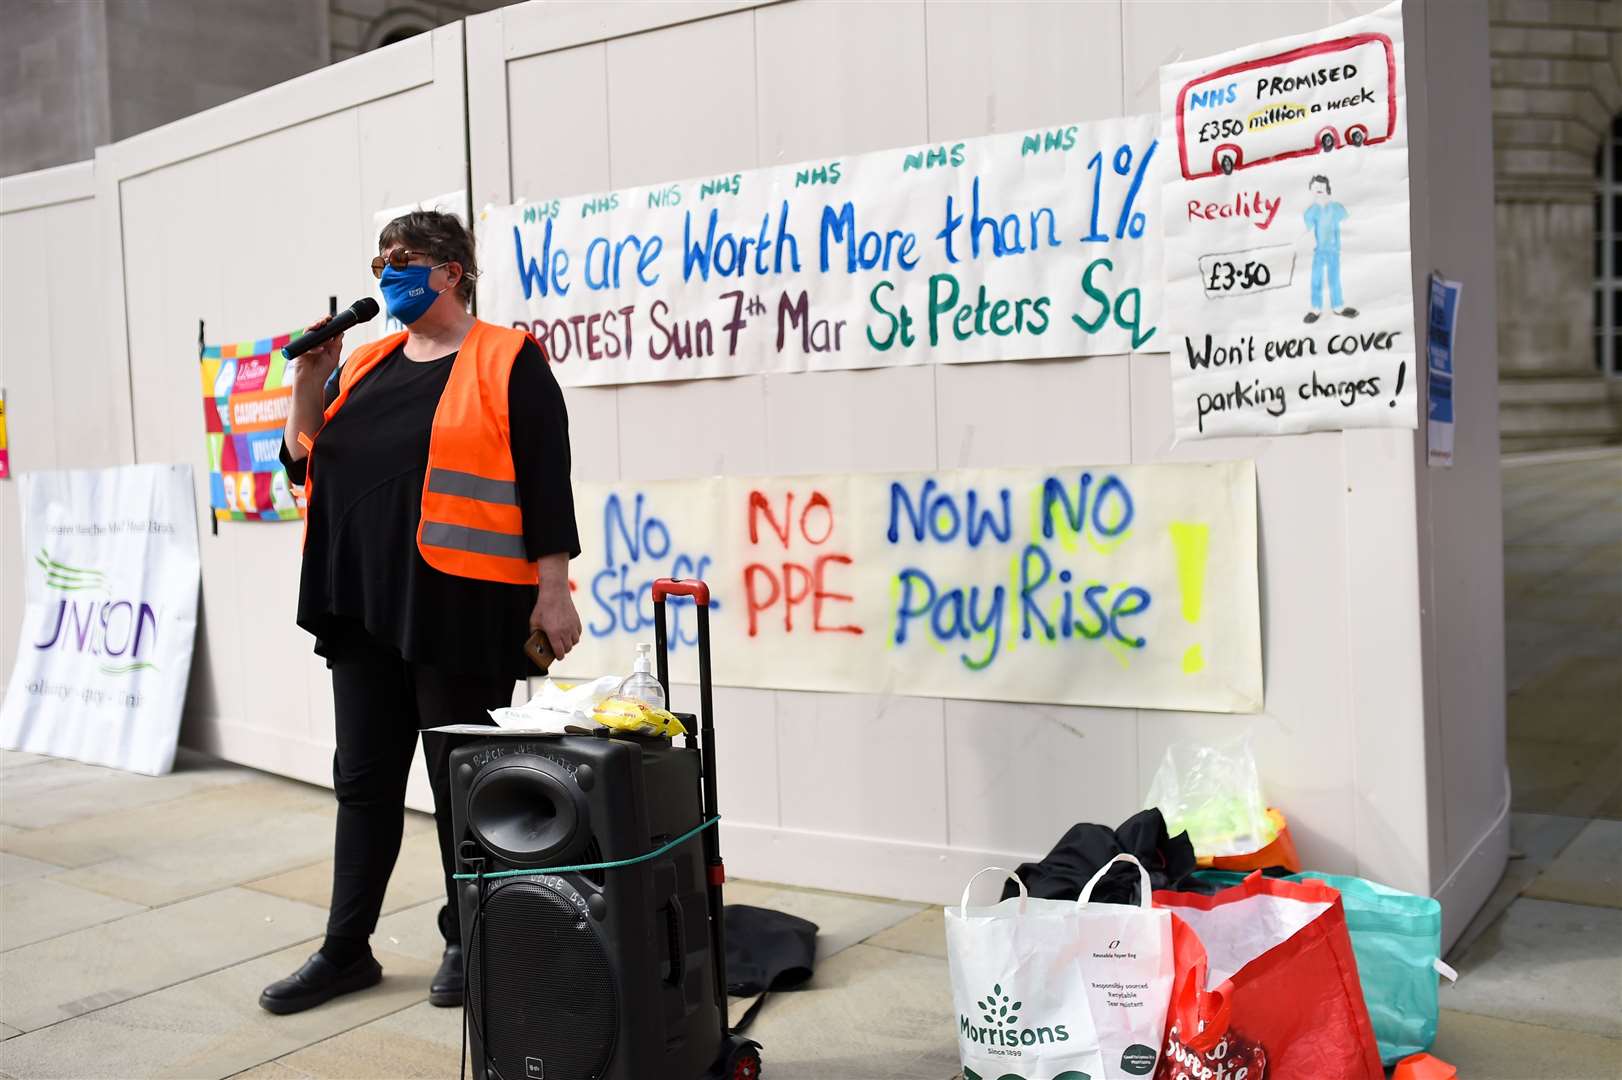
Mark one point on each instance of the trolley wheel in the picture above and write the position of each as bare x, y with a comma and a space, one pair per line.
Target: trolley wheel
744, 1066
740, 1060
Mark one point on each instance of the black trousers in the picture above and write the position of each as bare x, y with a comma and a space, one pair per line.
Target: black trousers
381, 702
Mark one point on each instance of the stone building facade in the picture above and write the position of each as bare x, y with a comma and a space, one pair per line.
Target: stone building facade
1557, 92
77, 74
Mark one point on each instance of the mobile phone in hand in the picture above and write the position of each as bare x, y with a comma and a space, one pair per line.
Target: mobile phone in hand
538, 649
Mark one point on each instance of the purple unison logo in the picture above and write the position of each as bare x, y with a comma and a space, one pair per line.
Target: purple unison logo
122, 633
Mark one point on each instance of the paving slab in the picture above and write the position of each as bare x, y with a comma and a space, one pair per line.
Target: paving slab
1487, 1048
1534, 841
417, 876
44, 907
1580, 718
7, 1031
237, 809
1578, 607
1548, 963
68, 791
271, 1070
163, 874
32, 783
867, 1014
93, 968
417, 1043
1539, 560
15, 868
1588, 871
1561, 777
1581, 675
923, 933
17, 759
842, 920
206, 1027
412, 931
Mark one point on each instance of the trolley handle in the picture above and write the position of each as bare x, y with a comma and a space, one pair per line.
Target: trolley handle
698, 590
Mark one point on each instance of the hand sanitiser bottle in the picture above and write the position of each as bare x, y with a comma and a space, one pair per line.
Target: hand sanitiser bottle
641, 685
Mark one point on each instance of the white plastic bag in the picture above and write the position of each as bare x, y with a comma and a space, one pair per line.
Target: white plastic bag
1055, 990
556, 705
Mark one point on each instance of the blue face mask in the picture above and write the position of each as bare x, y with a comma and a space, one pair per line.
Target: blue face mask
406, 293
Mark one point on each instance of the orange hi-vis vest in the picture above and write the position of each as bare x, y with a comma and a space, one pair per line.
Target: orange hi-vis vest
471, 523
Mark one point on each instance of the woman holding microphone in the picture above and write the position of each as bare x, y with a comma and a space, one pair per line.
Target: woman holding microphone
439, 531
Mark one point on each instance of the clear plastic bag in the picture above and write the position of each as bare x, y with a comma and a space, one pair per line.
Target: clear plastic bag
1215, 793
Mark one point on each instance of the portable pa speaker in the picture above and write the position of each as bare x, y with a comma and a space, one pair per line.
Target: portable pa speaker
596, 975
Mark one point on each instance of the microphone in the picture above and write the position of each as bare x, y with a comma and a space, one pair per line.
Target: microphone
362, 310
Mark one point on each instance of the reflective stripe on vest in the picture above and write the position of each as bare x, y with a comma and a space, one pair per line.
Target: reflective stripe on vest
478, 541
468, 486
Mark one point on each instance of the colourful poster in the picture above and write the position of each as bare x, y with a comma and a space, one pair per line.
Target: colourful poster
1289, 278
5, 453
245, 405
1013, 246
1123, 585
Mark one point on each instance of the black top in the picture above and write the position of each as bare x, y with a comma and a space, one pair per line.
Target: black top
361, 563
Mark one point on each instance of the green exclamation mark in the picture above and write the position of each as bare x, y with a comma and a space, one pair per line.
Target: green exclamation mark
1191, 542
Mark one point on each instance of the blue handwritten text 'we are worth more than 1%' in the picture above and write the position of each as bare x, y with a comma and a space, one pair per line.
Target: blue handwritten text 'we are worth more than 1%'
764, 263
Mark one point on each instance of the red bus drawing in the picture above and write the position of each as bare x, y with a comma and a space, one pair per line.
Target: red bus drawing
1310, 100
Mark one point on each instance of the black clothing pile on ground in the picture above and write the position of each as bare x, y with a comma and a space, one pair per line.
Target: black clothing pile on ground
1066, 869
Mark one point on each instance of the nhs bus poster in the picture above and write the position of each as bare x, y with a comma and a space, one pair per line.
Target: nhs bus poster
1288, 302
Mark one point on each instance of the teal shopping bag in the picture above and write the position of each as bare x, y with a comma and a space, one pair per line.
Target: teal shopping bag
1397, 939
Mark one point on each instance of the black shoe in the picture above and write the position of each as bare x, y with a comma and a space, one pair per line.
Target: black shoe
1347, 313
1312, 317
446, 989
318, 981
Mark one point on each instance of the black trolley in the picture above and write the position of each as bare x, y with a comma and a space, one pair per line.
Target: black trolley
525, 805
739, 1057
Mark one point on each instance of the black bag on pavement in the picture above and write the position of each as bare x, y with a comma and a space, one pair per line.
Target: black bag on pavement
766, 951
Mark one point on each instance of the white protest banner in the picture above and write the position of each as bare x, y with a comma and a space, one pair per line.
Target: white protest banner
1005, 247
109, 617
1120, 585
1289, 302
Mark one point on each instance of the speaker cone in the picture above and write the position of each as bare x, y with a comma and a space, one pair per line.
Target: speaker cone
524, 812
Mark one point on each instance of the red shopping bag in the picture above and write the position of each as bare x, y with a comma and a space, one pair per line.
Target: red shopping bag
1265, 984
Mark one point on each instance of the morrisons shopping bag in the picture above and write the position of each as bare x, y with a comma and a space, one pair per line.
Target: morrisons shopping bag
1266, 985
1059, 990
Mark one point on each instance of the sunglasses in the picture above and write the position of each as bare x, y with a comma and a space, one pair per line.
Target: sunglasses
400, 258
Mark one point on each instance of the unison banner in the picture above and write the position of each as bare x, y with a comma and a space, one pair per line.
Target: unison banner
1035, 244
109, 617
1289, 285
1121, 585
246, 401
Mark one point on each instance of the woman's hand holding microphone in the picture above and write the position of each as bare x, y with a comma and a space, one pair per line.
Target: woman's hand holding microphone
312, 369
308, 375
